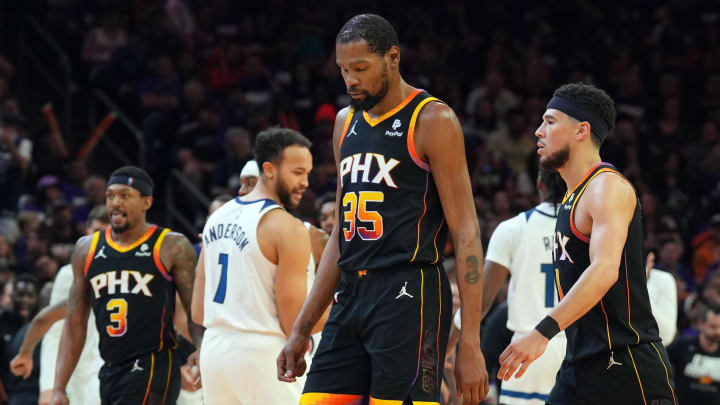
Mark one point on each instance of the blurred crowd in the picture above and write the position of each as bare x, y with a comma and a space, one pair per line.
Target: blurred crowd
201, 78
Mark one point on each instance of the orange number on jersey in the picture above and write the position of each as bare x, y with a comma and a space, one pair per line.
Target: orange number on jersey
119, 318
358, 209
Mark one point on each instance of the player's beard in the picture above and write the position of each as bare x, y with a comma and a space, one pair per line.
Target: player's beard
371, 100
121, 228
555, 160
284, 194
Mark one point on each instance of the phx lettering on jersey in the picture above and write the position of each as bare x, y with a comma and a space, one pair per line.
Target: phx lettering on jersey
233, 232
351, 166
121, 285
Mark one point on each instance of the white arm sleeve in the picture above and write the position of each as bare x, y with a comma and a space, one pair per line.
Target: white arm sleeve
504, 241
51, 341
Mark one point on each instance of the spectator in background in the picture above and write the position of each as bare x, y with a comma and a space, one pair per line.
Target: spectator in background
226, 177
101, 42
93, 195
696, 360
326, 206
662, 290
706, 250
23, 308
15, 160
671, 250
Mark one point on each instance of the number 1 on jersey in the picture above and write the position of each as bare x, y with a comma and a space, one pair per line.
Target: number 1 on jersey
222, 286
549, 284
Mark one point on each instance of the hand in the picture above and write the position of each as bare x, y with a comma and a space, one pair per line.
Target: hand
523, 351
59, 398
291, 361
471, 378
192, 371
22, 365
44, 398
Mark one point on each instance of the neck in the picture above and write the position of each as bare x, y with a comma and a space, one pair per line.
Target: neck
396, 94
132, 234
708, 345
577, 167
263, 190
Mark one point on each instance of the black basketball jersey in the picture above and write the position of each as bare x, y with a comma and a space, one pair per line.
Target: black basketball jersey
623, 316
132, 296
390, 211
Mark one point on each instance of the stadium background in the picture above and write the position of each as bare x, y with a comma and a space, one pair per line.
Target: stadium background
180, 87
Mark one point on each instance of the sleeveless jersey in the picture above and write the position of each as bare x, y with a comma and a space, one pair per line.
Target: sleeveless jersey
390, 210
623, 316
523, 244
132, 296
239, 279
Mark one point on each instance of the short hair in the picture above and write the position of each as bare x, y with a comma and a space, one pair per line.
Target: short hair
376, 31
272, 142
98, 213
592, 99
26, 278
708, 306
329, 197
135, 172
555, 184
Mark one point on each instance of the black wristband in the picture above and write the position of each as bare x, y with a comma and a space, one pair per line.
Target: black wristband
548, 327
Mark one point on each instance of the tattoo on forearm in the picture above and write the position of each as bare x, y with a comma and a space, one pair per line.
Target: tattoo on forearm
472, 276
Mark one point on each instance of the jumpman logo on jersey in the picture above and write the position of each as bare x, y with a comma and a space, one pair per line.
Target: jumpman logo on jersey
101, 253
352, 129
613, 362
403, 291
136, 366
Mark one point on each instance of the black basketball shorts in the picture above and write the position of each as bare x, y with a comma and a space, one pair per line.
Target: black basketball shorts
152, 379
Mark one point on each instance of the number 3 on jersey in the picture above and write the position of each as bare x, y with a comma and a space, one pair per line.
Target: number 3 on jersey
118, 319
356, 210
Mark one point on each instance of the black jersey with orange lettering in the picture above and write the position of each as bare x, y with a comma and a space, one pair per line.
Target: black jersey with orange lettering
132, 296
623, 316
390, 210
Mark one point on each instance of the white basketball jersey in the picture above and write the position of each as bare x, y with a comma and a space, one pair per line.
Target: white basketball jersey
239, 279
523, 244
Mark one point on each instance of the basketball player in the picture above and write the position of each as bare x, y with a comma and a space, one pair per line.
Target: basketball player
248, 177
402, 184
521, 247
128, 274
83, 386
614, 354
251, 280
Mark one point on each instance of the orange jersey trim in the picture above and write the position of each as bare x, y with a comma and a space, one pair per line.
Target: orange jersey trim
642, 391
568, 194
167, 383
345, 128
375, 401
667, 375
121, 249
152, 369
411, 134
627, 287
91, 252
374, 121
321, 398
575, 231
156, 255
607, 324
417, 245
437, 255
561, 295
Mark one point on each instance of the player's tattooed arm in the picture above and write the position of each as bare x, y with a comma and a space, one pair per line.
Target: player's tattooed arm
179, 253
472, 275
72, 339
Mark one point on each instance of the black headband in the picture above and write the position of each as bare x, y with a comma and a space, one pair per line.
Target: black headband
140, 185
598, 126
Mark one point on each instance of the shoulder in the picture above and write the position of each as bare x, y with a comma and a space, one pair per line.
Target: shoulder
612, 190
281, 221
317, 234
175, 238
82, 247
176, 248
437, 113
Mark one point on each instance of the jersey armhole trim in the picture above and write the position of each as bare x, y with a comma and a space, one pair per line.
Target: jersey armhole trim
411, 134
575, 231
345, 128
91, 252
156, 255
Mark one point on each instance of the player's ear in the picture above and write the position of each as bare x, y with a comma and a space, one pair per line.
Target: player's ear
393, 56
583, 131
147, 203
269, 169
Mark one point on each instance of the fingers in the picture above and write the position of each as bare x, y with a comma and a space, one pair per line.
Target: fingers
284, 372
486, 386
522, 370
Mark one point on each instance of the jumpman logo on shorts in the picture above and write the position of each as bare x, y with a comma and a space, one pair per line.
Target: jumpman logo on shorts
613, 362
136, 366
101, 253
403, 291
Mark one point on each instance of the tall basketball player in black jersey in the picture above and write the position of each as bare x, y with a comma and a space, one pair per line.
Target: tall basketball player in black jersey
614, 354
403, 184
128, 274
